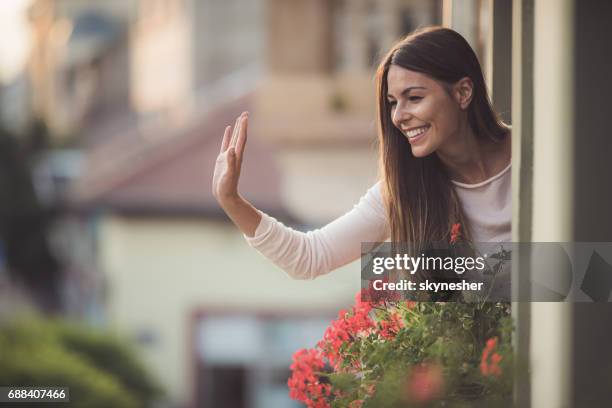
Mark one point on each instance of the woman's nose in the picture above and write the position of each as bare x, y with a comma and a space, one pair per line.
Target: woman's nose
400, 115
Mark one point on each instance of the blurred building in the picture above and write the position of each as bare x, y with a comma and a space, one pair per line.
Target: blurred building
161, 55
79, 64
227, 36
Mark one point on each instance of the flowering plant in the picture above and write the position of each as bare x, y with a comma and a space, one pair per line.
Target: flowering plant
398, 353
405, 354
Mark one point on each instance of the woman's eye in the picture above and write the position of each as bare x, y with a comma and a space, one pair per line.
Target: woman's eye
415, 98
392, 103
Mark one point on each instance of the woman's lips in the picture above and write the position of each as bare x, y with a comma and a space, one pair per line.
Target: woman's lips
419, 136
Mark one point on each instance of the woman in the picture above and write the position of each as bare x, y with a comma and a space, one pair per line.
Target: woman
444, 159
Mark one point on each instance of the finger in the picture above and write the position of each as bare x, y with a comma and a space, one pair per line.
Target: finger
236, 129
242, 138
226, 138
231, 160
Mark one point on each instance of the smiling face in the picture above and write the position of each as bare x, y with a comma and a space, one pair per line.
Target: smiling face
429, 115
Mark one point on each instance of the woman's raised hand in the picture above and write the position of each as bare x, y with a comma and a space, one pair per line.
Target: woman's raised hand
229, 162
226, 176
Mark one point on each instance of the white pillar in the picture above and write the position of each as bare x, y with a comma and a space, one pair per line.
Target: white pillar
552, 192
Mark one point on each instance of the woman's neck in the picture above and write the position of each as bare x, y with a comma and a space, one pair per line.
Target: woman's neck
471, 160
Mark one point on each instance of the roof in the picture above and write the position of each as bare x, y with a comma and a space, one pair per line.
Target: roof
172, 174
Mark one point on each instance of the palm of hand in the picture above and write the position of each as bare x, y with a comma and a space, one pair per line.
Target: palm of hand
229, 161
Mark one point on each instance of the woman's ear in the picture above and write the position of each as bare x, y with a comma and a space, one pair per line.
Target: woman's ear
463, 90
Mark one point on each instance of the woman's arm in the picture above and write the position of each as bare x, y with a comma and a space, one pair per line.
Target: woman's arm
308, 255
301, 255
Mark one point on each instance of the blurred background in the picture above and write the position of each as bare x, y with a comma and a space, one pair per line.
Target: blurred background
118, 270
112, 115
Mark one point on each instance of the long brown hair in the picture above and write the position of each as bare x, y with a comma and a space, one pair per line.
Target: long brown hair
420, 201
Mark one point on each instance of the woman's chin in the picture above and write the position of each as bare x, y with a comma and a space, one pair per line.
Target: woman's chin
421, 151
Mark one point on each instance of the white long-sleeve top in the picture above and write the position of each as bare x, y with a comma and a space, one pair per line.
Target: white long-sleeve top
487, 207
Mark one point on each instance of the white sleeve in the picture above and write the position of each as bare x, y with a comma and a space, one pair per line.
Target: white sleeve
308, 255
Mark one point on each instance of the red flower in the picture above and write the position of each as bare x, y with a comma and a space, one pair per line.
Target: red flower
362, 307
455, 233
425, 383
490, 366
345, 329
304, 383
492, 343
